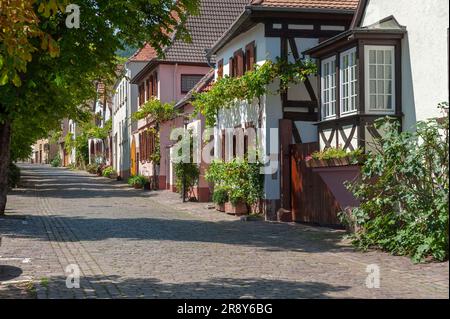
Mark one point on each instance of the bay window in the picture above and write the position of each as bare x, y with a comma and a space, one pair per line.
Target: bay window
380, 78
328, 84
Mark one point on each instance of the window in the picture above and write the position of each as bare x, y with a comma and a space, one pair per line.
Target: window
189, 81
348, 81
231, 67
379, 70
141, 94
328, 83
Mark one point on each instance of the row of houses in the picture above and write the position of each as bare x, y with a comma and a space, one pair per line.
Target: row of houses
374, 57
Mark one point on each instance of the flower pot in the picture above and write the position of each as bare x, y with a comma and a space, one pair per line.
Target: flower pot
239, 208
220, 207
137, 186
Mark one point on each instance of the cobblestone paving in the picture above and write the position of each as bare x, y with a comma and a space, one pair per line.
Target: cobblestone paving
135, 244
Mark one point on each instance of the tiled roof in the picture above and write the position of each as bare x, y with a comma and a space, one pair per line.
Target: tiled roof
146, 53
203, 85
215, 18
308, 4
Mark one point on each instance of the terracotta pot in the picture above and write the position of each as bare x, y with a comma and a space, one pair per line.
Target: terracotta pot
137, 186
220, 207
239, 209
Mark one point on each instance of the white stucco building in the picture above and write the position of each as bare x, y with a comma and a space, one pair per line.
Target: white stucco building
124, 104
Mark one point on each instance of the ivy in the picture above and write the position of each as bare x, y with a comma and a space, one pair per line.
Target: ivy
251, 86
156, 111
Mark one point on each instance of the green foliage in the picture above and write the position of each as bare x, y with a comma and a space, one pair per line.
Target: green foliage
92, 168
186, 171
241, 180
220, 195
13, 175
337, 153
404, 192
94, 131
109, 172
252, 85
137, 180
56, 161
157, 111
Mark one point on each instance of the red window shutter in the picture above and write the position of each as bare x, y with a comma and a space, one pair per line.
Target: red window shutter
239, 62
149, 150
140, 147
223, 145
250, 56
155, 84
220, 69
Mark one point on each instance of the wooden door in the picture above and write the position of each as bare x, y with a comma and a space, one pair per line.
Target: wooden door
133, 157
312, 202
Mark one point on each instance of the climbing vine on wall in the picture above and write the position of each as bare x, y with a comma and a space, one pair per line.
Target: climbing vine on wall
252, 85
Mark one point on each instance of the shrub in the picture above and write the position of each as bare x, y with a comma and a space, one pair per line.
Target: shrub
241, 180
92, 168
137, 180
108, 172
56, 161
404, 192
13, 175
220, 196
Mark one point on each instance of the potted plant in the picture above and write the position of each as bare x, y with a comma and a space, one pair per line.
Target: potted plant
137, 181
336, 167
220, 197
236, 206
109, 172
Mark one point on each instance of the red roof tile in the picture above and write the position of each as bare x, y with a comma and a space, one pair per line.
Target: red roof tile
308, 4
146, 53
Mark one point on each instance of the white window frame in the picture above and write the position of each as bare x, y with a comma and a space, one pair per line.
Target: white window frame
322, 93
351, 81
367, 48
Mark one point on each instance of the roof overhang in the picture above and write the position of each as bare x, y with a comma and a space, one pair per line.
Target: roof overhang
256, 14
344, 38
154, 63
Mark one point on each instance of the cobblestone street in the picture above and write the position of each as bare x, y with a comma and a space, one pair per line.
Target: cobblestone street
134, 244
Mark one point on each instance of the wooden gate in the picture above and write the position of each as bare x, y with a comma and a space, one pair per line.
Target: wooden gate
133, 157
311, 200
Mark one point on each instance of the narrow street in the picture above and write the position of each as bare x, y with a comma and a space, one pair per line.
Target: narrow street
129, 244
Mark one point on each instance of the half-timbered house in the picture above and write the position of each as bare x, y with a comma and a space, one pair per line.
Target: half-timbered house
266, 30
393, 61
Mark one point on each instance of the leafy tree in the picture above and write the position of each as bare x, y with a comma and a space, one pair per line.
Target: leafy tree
47, 70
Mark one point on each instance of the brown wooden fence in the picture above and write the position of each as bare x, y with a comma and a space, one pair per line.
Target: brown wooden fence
312, 202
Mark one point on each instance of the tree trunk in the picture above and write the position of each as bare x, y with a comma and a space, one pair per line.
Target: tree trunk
5, 145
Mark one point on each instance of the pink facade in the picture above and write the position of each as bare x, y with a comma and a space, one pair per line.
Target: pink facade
168, 90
